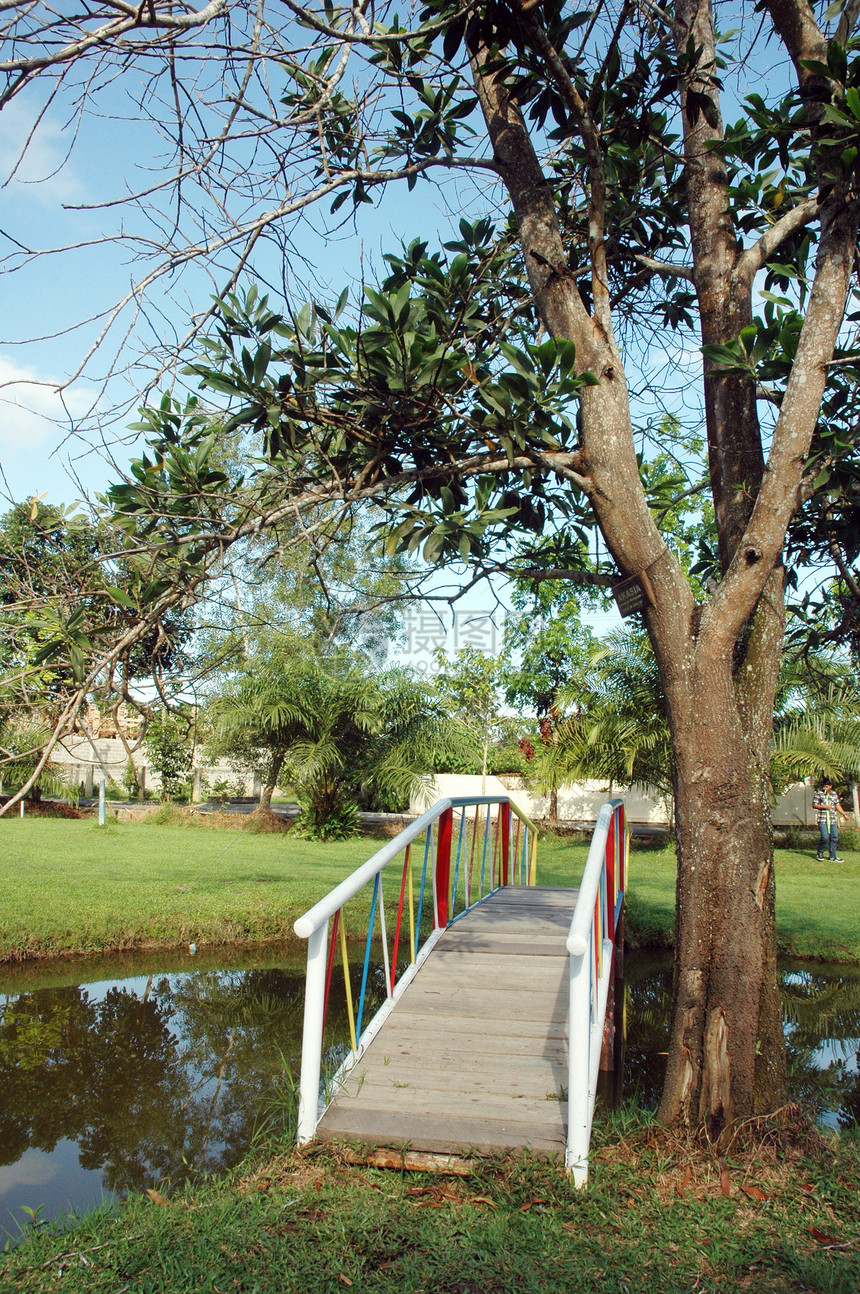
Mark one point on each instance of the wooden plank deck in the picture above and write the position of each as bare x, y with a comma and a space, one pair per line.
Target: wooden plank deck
473, 1058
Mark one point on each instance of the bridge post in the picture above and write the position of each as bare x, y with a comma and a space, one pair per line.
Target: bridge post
443, 866
505, 815
312, 1036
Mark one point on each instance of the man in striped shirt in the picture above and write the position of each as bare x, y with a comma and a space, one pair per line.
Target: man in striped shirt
828, 804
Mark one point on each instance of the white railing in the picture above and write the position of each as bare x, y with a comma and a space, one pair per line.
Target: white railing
591, 948
502, 857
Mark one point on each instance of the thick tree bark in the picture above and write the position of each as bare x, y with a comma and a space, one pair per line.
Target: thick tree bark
719, 661
726, 1053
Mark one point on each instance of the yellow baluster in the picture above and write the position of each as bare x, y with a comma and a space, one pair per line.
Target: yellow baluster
350, 1010
412, 948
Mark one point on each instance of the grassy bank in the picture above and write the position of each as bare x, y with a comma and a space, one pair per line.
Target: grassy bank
657, 1217
72, 888
817, 904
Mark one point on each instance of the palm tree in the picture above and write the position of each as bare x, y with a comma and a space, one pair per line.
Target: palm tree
621, 735
338, 731
618, 731
22, 738
817, 726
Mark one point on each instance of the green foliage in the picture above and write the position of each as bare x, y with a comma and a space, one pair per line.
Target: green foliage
817, 725
469, 686
22, 739
339, 822
620, 734
169, 748
341, 734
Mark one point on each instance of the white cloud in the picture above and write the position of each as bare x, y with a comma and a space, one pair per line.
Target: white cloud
34, 1168
32, 412
41, 169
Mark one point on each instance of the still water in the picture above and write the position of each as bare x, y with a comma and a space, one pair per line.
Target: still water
155, 1070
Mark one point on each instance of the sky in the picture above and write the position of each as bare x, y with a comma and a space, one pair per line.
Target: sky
46, 199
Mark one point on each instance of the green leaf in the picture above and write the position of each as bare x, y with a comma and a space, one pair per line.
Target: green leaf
120, 598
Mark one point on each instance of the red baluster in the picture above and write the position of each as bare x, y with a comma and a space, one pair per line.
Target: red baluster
443, 864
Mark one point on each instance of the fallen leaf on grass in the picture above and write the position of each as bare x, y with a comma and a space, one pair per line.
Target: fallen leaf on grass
725, 1184
824, 1239
524, 1208
437, 1195
755, 1193
343, 1278
482, 1199
688, 1176
156, 1197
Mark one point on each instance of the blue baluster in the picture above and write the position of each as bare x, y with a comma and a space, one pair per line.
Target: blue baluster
366, 966
457, 862
427, 840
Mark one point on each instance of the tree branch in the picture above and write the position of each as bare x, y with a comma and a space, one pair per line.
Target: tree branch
596, 188
665, 269
755, 257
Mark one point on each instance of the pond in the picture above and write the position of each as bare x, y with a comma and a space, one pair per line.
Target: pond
123, 1074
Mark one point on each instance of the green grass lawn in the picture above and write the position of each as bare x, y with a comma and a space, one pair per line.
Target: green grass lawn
72, 887
657, 1217
659, 1214
817, 904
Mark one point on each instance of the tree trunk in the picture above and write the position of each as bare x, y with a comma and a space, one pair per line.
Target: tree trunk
718, 660
726, 1051
271, 782
553, 804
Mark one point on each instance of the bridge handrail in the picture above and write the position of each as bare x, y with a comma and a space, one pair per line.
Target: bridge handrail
591, 944
579, 935
313, 925
311, 920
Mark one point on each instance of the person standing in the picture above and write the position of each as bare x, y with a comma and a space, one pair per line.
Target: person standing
827, 804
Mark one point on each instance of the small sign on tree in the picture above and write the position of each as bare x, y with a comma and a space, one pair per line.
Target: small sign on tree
630, 596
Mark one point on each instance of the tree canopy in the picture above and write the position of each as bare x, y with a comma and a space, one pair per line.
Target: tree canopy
665, 240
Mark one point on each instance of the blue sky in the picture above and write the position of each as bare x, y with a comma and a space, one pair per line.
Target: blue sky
43, 300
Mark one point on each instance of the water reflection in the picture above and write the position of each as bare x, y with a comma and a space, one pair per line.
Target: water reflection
821, 1007
822, 1029
118, 1084
154, 1078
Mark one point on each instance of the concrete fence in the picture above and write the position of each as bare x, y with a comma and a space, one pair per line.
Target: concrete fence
87, 759
581, 801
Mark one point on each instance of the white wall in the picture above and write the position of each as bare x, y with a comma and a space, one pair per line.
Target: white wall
581, 801
576, 803
83, 758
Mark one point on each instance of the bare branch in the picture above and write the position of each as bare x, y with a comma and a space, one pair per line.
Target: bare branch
755, 257
666, 269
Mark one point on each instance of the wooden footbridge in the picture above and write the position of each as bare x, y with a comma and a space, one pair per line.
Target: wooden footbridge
490, 1031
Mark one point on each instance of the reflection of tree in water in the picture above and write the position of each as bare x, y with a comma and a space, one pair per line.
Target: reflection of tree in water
177, 1079
154, 1085
648, 995
818, 1007
239, 1029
